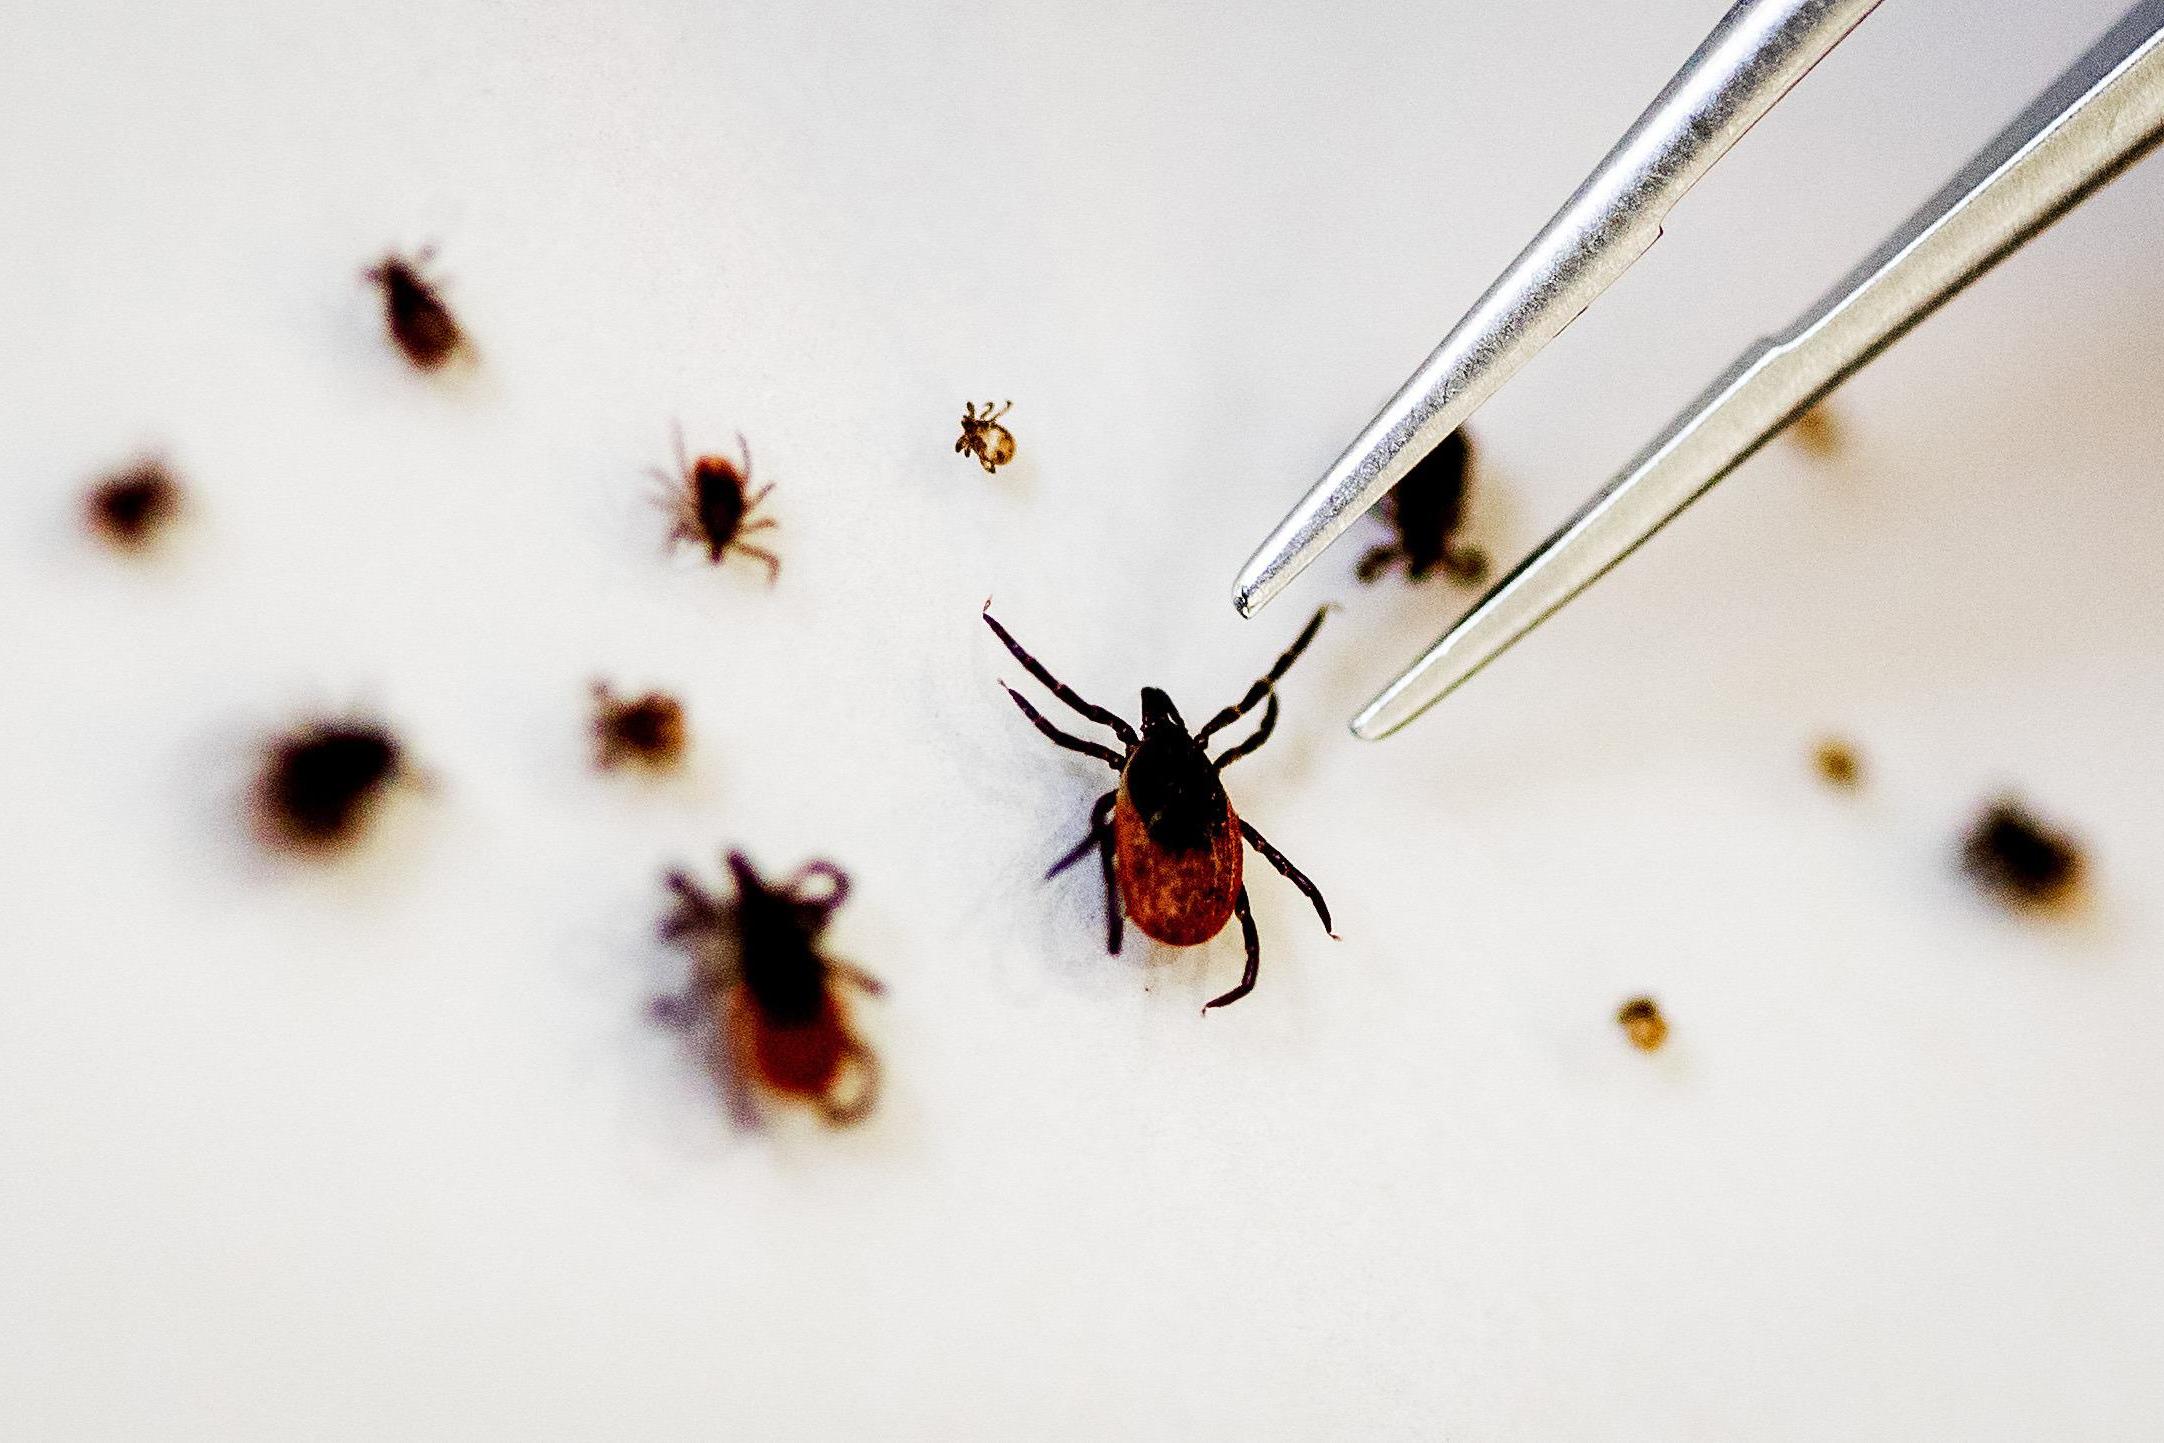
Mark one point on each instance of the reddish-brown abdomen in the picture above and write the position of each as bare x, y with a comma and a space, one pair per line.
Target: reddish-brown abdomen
1182, 897
803, 1061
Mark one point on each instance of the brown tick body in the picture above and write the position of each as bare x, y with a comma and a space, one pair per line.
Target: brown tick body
416, 316
646, 730
1427, 508
1167, 835
130, 509
320, 784
713, 504
983, 437
767, 994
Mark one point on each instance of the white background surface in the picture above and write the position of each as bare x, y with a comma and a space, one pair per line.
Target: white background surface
388, 1150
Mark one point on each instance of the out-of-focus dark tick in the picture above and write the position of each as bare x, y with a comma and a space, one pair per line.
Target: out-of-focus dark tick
764, 996
128, 510
415, 314
1167, 835
1643, 1023
1838, 763
709, 500
320, 784
1428, 507
646, 730
984, 438
2020, 859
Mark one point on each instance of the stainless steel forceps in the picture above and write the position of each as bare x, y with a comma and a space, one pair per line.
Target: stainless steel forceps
2097, 119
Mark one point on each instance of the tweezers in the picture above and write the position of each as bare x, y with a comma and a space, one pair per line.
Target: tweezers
2095, 121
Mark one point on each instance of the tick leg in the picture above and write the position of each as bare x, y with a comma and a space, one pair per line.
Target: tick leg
1254, 952
830, 897
1293, 874
1466, 563
1059, 738
839, 1105
1253, 743
856, 977
745, 446
1376, 562
760, 525
1261, 688
1059, 688
759, 553
1100, 819
1109, 850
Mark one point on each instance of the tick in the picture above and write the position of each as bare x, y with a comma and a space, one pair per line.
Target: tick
320, 784
1167, 835
1838, 763
765, 994
983, 437
709, 500
1642, 1022
2024, 861
415, 314
1428, 507
130, 509
648, 730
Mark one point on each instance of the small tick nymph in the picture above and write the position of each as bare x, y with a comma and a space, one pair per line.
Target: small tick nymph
130, 509
646, 730
414, 313
1167, 835
1428, 507
320, 785
983, 437
712, 502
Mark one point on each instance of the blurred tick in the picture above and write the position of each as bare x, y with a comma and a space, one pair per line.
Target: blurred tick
712, 510
764, 994
320, 784
646, 730
1167, 835
414, 313
130, 509
2022, 860
983, 437
1428, 508
1642, 1022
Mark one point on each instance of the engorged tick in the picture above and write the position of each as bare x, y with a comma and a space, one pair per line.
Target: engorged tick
648, 729
712, 510
1427, 507
414, 313
983, 437
1167, 835
320, 783
763, 994
129, 509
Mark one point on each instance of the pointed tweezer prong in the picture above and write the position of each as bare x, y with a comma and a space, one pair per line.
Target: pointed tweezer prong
2100, 117
1759, 50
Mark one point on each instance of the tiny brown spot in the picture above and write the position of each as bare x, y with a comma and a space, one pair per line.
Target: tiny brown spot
129, 509
1643, 1024
1817, 430
646, 731
1838, 763
320, 784
2020, 860
414, 313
